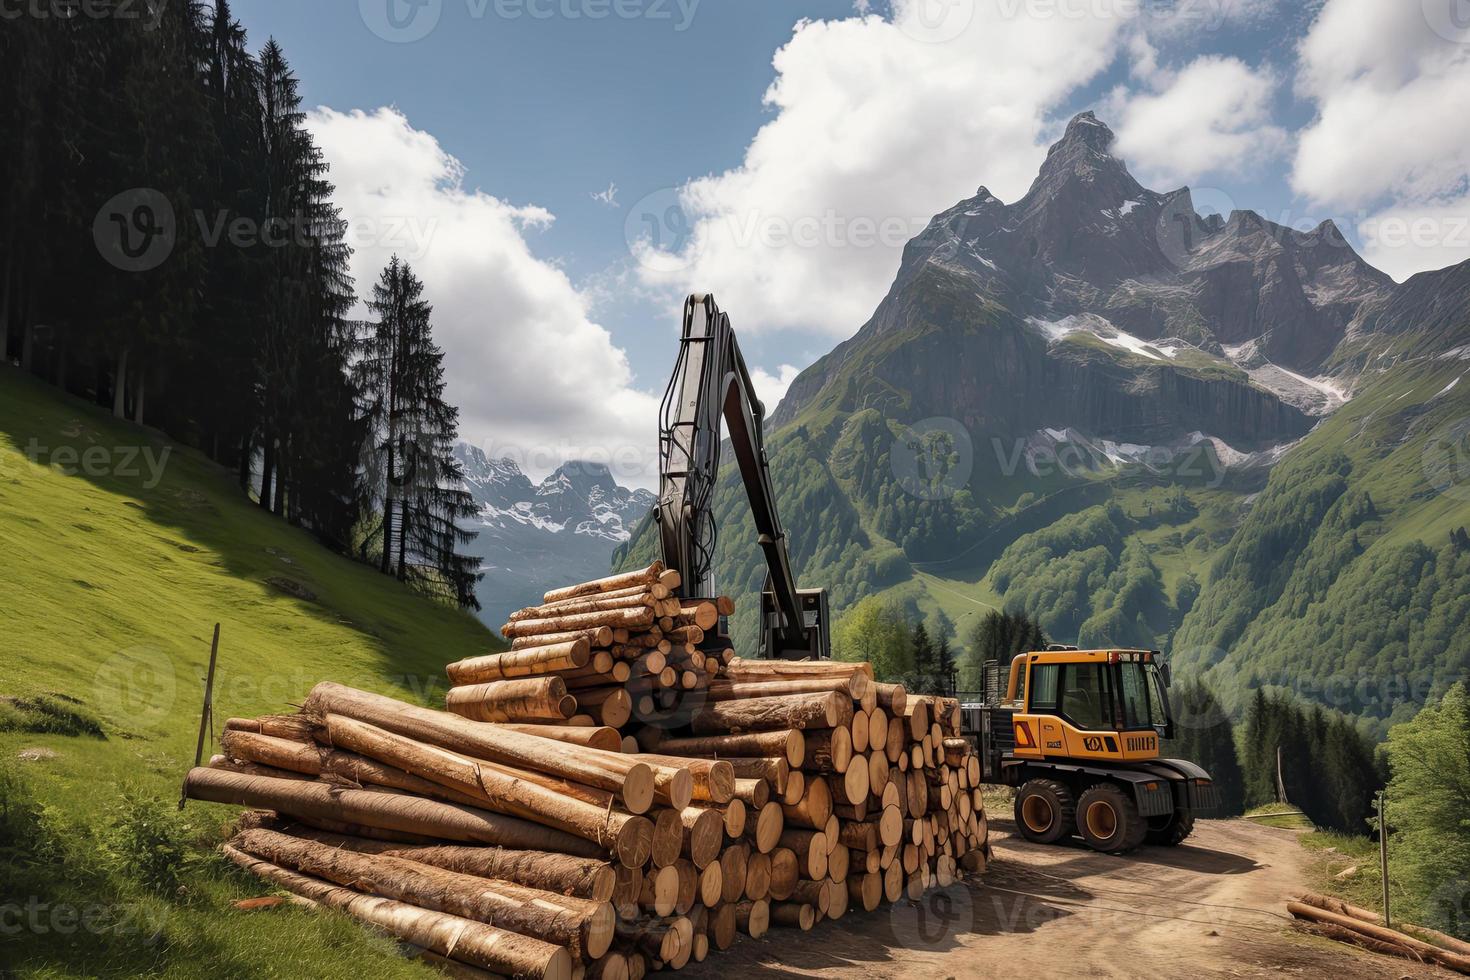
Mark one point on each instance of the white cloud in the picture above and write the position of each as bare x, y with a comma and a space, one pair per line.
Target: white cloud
771, 388
878, 125
534, 377
1391, 134
1211, 116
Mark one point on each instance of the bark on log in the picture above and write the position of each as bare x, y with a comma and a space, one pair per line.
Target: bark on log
599, 636
813, 893
789, 743
503, 790
404, 814
461, 939
1444, 957
525, 700
793, 915
564, 874
703, 833
754, 793
637, 619
600, 737
814, 808
854, 687
587, 604
583, 926
785, 873
742, 669
521, 663
641, 577
801, 711
866, 890
810, 847
892, 698
633, 781
773, 769
713, 780
828, 750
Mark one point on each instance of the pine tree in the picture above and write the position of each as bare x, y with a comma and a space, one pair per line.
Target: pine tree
1203, 734
999, 637
414, 476
925, 666
944, 667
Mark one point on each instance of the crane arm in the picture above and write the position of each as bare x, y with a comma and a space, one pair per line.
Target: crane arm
711, 384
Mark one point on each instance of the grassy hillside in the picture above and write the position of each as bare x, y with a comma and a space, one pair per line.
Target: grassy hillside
120, 553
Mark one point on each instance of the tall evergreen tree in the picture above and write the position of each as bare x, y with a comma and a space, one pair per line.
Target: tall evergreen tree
1204, 734
415, 479
923, 678
944, 665
999, 637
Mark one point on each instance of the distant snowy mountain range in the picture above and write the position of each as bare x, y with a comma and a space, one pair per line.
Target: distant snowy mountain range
533, 537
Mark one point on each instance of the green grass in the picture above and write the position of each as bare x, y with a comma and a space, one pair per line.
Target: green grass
114, 580
1345, 867
1281, 817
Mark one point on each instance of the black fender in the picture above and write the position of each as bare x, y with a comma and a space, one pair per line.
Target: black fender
1152, 791
1194, 790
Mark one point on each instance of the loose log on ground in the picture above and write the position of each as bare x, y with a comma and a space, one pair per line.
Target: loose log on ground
1444, 957
461, 939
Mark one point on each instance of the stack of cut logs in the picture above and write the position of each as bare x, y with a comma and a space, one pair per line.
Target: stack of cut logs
534, 831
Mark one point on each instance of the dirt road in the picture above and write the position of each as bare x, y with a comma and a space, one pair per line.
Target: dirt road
1212, 908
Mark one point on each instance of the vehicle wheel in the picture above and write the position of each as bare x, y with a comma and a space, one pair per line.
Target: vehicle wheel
1045, 811
1171, 830
1108, 819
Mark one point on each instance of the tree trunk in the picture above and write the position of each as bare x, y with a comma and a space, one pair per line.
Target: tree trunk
247, 453
402, 539
119, 384
469, 942
763, 714
267, 468
139, 390
789, 743
585, 927
283, 472
642, 577
61, 356
404, 814
631, 780
525, 663
524, 699
588, 878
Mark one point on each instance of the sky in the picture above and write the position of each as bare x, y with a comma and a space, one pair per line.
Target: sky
561, 173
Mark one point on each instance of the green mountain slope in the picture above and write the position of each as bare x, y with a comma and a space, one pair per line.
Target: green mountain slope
114, 574
1244, 444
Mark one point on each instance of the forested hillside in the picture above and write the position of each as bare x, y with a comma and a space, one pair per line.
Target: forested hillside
1246, 446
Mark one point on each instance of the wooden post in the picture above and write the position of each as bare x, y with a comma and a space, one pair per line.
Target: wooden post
206, 714
1383, 855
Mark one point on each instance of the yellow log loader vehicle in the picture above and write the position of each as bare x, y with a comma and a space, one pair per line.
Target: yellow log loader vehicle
1078, 733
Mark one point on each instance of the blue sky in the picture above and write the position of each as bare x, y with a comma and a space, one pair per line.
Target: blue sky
494, 123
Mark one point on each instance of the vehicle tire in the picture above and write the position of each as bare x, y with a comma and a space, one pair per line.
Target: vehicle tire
1172, 830
1045, 811
1108, 819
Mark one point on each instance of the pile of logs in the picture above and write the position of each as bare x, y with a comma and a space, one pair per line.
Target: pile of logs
1336, 919
534, 831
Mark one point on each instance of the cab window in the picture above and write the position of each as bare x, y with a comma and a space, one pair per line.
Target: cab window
1086, 697
1044, 687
